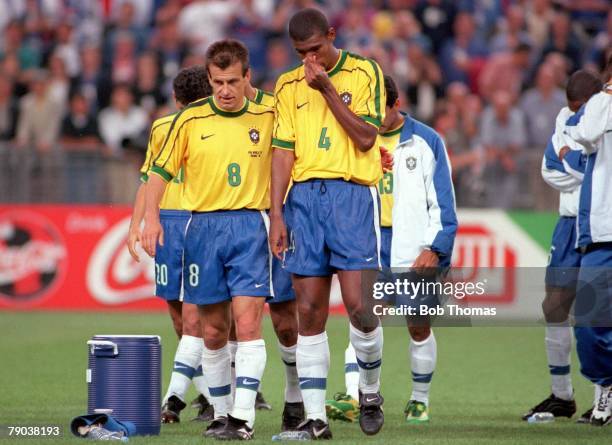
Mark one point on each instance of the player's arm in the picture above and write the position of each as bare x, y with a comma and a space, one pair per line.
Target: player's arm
283, 157
554, 172
164, 167
591, 122
134, 234
361, 133
442, 227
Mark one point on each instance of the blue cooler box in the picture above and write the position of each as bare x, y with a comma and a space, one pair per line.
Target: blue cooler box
124, 374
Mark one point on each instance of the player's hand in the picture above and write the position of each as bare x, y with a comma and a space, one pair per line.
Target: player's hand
315, 75
134, 237
152, 234
386, 159
278, 236
563, 152
426, 263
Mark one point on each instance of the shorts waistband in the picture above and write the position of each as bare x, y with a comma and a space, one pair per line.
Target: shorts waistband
237, 212
595, 246
174, 213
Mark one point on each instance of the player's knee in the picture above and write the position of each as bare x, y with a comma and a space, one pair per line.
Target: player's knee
215, 334
553, 308
248, 330
177, 323
419, 333
192, 327
286, 332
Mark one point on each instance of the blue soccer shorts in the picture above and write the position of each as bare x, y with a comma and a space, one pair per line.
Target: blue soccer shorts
564, 263
227, 255
332, 225
281, 284
169, 257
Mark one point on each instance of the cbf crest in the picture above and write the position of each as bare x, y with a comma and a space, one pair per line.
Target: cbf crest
411, 163
254, 135
347, 98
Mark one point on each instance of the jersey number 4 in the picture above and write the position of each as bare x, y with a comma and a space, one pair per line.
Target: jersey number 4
324, 142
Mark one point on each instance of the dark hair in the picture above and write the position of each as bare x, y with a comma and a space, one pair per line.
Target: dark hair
306, 23
581, 86
391, 89
191, 84
522, 47
224, 53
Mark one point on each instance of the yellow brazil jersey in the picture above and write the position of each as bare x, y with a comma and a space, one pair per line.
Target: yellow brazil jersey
304, 123
389, 140
172, 197
226, 156
264, 98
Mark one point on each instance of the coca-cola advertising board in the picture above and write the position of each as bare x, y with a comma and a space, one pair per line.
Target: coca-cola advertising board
75, 258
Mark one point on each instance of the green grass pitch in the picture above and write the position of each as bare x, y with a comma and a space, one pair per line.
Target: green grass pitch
485, 379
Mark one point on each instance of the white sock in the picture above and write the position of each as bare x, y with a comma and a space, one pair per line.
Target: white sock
216, 368
423, 356
250, 365
233, 346
292, 383
368, 350
312, 359
351, 372
558, 349
199, 381
186, 361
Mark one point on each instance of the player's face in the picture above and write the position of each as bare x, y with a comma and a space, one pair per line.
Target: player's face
391, 117
320, 46
228, 85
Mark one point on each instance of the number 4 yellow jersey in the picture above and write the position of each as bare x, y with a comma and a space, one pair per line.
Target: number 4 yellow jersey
389, 140
226, 156
304, 123
159, 130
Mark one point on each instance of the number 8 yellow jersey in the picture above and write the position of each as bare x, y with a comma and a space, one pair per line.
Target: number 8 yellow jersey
304, 123
226, 156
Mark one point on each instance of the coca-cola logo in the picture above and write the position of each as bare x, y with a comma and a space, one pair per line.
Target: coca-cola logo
32, 257
113, 277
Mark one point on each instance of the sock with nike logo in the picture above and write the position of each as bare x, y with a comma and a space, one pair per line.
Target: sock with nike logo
186, 361
216, 367
351, 372
423, 356
292, 383
368, 350
312, 359
250, 365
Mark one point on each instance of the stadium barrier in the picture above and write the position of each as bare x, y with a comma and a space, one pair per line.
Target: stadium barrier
61, 257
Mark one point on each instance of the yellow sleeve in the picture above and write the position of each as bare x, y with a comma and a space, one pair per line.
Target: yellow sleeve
283, 135
371, 96
156, 139
173, 146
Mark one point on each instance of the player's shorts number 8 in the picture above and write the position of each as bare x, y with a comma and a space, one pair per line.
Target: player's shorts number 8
161, 273
194, 275
233, 174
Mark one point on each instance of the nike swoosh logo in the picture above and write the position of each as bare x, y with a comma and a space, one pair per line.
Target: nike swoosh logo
369, 259
202, 137
257, 286
249, 382
300, 106
317, 432
368, 400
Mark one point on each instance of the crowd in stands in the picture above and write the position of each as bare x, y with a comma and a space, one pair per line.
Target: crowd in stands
487, 74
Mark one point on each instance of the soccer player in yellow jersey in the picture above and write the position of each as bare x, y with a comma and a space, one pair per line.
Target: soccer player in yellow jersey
189, 85
328, 111
223, 144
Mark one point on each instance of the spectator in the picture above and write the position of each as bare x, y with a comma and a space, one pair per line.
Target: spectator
28, 55
204, 21
170, 48
437, 18
79, 128
8, 109
540, 105
66, 49
278, 60
539, 16
39, 121
505, 72
502, 136
601, 45
124, 23
564, 41
123, 65
560, 65
59, 82
123, 122
423, 82
513, 33
248, 24
462, 56
147, 91
92, 83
